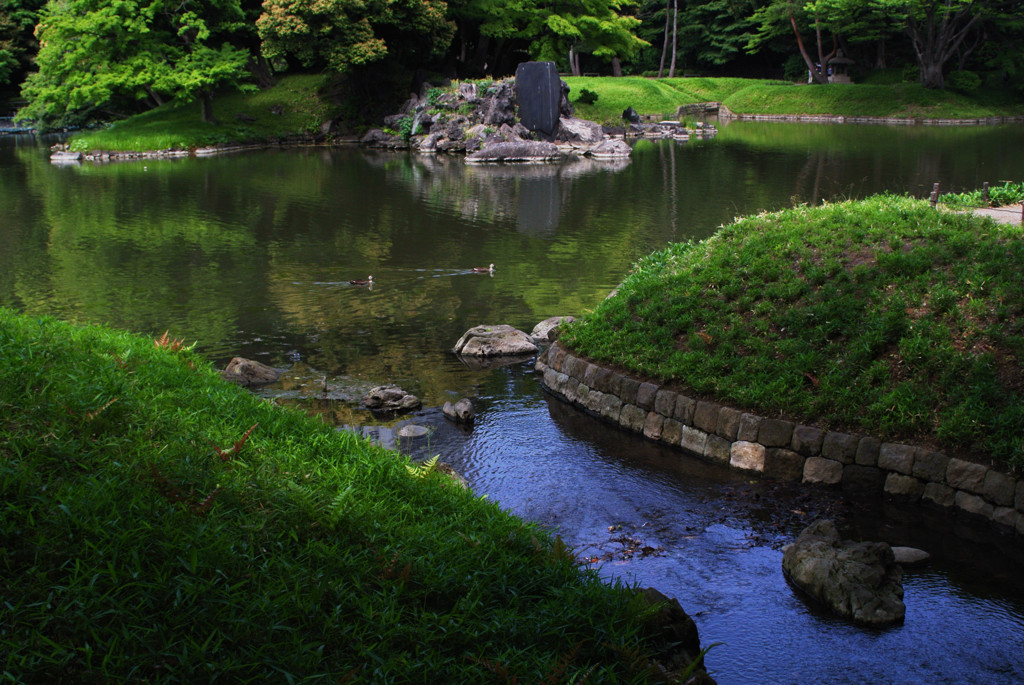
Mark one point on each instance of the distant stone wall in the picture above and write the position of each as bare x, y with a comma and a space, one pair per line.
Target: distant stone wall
782, 449
725, 113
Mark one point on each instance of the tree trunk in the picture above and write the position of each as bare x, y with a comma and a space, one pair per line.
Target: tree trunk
157, 100
880, 54
931, 75
822, 57
463, 48
479, 61
664, 45
675, 34
616, 66
261, 71
938, 38
817, 71
206, 107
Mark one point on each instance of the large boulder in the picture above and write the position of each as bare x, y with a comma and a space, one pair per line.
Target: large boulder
538, 96
573, 130
494, 341
377, 138
856, 580
249, 373
390, 398
499, 105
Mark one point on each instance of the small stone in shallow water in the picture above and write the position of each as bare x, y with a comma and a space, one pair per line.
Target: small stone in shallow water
390, 398
413, 431
460, 412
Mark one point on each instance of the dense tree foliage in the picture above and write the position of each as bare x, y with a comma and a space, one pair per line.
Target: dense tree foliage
113, 55
344, 34
17, 45
833, 25
942, 29
94, 54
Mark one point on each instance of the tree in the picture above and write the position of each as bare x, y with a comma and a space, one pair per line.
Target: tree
94, 54
557, 31
714, 32
17, 39
940, 29
781, 16
342, 35
833, 23
567, 29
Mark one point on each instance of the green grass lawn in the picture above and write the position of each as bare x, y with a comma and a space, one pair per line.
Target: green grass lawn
292, 107
756, 96
883, 316
158, 524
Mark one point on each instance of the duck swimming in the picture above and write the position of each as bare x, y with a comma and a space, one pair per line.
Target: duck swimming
359, 281
482, 270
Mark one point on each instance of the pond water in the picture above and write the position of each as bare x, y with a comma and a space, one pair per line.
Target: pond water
252, 255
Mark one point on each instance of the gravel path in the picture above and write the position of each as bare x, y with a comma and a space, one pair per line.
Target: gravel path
1009, 214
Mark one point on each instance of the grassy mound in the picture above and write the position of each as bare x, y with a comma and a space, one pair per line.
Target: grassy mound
158, 524
882, 315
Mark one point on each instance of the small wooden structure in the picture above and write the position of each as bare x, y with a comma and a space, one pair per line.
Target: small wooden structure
837, 68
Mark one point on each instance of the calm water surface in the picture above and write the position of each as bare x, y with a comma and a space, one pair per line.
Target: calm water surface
252, 254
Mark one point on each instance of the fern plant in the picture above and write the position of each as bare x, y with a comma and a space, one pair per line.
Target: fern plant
423, 469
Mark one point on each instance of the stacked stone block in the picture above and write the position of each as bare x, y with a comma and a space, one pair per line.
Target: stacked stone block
781, 449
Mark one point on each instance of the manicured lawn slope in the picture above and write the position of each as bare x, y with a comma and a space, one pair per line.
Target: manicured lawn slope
883, 315
757, 96
142, 539
650, 96
292, 107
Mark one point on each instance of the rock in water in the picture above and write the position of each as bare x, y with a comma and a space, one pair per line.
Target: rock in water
248, 373
910, 556
857, 580
494, 341
460, 412
673, 634
515, 151
547, 330
390, 398
611, 149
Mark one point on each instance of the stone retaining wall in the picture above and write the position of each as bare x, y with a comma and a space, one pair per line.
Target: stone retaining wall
782, 449
725, 113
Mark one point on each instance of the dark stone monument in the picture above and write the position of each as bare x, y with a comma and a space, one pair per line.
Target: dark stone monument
538, 94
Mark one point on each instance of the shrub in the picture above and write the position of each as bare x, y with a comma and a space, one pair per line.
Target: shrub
405, 128
587, 97
966, 82
434, 96
795, 69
